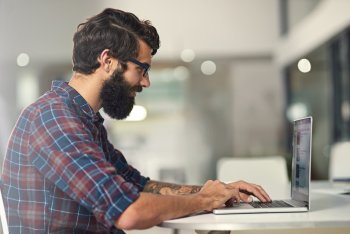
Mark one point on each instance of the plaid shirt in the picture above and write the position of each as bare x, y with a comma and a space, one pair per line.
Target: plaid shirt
61, 174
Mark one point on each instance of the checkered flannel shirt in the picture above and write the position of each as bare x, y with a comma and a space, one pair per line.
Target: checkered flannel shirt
61, 174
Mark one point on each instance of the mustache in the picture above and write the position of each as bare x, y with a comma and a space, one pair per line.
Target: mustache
137, 88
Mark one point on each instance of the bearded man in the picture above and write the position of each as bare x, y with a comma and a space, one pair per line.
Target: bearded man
62, 175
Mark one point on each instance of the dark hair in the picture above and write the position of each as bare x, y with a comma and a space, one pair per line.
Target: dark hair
115, 30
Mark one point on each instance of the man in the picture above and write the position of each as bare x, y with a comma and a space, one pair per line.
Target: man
61, 174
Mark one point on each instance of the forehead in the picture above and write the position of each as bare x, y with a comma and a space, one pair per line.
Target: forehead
145, 52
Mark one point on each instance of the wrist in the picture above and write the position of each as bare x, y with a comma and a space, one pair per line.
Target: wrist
202, 203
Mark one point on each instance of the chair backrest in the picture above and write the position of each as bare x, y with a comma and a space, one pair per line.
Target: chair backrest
339, 161
269, 171
4, 226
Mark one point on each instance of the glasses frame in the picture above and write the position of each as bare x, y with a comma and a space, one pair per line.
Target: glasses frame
144, 66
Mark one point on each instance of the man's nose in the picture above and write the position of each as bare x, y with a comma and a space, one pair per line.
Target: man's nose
145, 81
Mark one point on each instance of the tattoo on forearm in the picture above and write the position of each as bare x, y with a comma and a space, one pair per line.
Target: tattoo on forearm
170, 189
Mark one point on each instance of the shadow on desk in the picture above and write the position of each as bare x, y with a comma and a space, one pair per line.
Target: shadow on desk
278, 231
159, 230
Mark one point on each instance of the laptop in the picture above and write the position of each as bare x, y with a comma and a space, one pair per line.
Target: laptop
300, 184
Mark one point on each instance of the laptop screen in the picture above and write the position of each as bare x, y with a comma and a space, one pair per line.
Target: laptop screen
302, 138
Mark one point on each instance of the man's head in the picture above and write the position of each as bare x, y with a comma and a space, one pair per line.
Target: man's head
122, 37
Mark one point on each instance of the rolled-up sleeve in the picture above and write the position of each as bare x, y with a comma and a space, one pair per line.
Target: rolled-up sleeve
64, 151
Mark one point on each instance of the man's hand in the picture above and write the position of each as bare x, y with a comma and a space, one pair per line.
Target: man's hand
247, 189
216, 194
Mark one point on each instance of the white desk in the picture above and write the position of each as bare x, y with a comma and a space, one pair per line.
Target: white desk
328, 209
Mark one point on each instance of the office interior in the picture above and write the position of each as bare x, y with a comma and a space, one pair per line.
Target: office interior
225, 83
229, 78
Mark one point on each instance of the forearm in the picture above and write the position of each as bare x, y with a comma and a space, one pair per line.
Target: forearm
169, 188
151, 209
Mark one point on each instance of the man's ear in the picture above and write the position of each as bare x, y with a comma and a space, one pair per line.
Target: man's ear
106, 61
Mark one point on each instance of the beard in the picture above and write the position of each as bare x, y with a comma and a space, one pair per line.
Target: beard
115, 95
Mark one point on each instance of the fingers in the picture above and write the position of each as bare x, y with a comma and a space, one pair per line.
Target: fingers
262, 194
246, 197
216, 194
229, 202
231, 193
235, 196
252, 189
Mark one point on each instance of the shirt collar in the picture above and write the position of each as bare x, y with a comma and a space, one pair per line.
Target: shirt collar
63, 89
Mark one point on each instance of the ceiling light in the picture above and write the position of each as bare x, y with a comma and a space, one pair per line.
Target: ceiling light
23, 59
304, 65
208, 67
296, 111
138, 113
181, 73
187, 55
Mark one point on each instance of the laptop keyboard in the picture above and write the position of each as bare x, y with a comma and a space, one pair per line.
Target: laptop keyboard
273, 204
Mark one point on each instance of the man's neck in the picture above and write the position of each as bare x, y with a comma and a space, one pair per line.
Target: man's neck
89, 87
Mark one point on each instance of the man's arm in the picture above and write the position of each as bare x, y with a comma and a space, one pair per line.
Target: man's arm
169, 188
151, 209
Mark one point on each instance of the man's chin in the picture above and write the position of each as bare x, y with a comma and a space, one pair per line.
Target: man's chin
119, 114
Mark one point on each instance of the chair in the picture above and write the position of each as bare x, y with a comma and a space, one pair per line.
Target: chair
4, 226
269, 172
339, 161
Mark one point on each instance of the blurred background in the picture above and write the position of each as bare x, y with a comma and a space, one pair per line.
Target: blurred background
228, 79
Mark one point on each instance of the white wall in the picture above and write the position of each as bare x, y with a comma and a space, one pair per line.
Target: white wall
44, 28
257, 110
214, 29
210, 27
329, 18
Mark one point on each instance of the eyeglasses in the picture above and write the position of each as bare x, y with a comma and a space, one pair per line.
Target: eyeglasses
144, 66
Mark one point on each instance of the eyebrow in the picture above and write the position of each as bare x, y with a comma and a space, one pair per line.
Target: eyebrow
139, 63
145, 66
